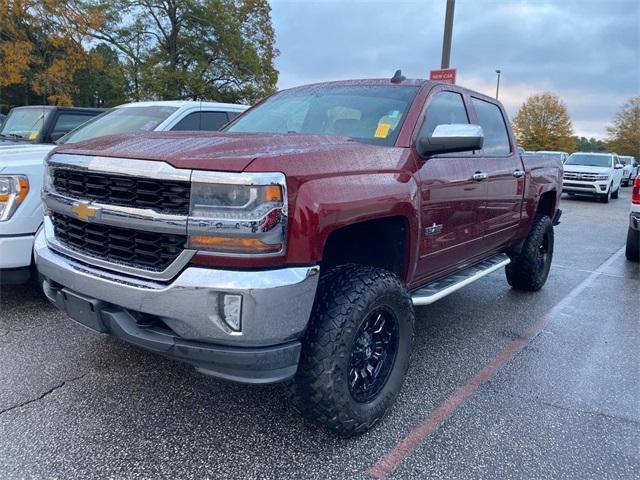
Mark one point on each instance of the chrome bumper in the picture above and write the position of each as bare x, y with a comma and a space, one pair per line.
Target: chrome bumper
276, 304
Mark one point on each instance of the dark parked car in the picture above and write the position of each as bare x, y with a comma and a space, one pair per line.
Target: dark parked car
43, 124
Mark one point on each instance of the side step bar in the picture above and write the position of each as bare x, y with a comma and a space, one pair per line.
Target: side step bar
442, 287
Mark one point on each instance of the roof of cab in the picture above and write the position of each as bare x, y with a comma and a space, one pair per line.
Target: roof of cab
408, 82
411, 82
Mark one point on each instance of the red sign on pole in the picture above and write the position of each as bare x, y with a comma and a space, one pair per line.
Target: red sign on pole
447, 76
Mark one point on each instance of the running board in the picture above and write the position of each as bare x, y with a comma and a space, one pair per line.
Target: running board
438, 289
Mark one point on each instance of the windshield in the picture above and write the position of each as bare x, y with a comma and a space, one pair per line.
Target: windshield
589, 160
367, 113
120, 120
25, 123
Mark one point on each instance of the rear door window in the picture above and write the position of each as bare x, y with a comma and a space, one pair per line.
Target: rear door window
207, 121
496, 137
68, 121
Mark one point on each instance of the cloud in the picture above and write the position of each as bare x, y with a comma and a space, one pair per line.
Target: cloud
585, 51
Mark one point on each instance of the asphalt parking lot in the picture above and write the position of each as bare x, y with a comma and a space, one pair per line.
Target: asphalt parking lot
503, 384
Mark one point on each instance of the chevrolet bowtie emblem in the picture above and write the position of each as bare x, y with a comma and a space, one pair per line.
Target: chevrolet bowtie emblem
84, 211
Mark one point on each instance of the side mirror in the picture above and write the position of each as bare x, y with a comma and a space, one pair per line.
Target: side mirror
618, 166
451, 138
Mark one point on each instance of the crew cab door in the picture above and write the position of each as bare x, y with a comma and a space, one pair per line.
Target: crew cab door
505, 176
451, 199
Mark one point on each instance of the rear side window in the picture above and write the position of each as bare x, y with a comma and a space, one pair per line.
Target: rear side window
68, 121
208, 121
496, 138
445, 108
212, 121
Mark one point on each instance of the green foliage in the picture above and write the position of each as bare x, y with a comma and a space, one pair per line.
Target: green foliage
140, 49
543, 123
624, 133
584, 144
103, 83
193, 49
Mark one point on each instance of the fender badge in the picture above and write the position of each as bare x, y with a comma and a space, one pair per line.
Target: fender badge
84, 211
433, 230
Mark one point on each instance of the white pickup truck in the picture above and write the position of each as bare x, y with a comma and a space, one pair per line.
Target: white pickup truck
21, 168
595, 174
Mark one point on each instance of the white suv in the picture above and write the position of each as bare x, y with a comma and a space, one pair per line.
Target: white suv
22, 170
596, 174
630, 170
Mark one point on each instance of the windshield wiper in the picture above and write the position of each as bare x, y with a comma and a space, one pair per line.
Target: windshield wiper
11, 136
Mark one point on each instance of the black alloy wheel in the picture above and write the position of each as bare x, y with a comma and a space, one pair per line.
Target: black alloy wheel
373, 355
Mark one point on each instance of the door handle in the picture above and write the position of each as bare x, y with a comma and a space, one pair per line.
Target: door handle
518, 173
479, 176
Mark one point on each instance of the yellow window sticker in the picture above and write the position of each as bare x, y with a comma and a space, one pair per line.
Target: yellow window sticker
382, 131
32, 135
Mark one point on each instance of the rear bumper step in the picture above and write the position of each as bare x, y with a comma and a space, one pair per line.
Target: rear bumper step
444, 286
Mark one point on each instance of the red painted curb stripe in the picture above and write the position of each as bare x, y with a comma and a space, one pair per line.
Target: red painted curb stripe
402, 450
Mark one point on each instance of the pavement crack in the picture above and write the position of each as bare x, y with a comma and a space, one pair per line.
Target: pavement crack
43, 395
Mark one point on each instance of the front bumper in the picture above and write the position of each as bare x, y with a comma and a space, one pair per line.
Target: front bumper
276, 306
15, 251
586, 188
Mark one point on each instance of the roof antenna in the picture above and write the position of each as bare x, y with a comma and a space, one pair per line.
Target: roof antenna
398, 77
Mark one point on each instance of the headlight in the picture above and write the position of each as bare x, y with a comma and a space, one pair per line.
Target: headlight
602, 177
248, 215
13, 190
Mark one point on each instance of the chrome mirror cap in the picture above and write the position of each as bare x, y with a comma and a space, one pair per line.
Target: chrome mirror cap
450, 138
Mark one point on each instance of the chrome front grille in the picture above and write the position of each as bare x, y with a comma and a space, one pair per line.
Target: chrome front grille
135, 248
581, 177
163, 196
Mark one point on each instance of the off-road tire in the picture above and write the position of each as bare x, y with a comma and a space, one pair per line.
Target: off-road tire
527, 270
615, 194
347, 296
632, 251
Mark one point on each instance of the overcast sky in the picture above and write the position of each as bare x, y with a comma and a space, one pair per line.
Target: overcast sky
585, 51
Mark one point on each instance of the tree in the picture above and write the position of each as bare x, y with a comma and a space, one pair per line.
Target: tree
584, 144
41, 46
198, 49
103, 83
543, 123
624, 134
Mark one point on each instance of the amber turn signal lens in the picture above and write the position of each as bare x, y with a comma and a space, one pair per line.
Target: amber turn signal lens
273, 193
233, 245
24, 189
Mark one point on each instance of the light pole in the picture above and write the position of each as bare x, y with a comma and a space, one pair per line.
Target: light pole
498, 84
448, 32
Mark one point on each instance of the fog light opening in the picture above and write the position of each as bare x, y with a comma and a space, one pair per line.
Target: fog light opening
232, 311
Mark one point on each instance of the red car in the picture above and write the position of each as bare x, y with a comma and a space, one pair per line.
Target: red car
633, 236
295, 244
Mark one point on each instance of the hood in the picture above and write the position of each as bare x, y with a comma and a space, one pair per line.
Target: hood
586, 169
9, 145
9, 142
220, 151
28, 155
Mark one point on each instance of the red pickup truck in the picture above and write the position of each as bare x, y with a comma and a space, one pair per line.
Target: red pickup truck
294, 245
